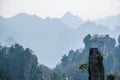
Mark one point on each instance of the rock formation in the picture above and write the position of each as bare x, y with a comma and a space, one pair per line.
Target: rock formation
17, 63
95, 65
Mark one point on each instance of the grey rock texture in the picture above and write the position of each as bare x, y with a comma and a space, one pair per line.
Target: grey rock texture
95, 65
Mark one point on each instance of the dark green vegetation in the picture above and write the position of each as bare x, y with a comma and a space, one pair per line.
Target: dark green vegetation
17, 63
111, 76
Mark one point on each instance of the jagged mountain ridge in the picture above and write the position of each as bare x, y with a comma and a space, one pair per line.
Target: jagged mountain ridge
49, 36
71, 20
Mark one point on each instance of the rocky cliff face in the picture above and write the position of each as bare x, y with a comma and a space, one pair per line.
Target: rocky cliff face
95, 65
104, 43
17, 63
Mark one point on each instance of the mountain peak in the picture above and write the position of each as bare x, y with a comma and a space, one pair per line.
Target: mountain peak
71, 20
68, 14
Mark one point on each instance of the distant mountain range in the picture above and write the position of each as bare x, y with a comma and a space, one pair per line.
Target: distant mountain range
54, 37
110, 21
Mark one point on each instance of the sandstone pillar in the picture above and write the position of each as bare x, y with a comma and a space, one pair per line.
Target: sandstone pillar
95, 65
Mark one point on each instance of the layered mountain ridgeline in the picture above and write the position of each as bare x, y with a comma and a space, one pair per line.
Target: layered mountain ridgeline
64, 33
17, 63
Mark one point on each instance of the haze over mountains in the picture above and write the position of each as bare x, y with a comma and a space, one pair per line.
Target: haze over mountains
52, 38
110, 21
71, 20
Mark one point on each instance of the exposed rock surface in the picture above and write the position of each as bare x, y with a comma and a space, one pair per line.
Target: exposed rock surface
17, 63
95, 65
105, 45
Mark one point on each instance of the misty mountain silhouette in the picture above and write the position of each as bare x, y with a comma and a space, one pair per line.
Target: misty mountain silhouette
111, 21
71, 20
50, 37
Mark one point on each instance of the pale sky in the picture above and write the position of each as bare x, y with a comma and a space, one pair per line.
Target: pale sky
86, 9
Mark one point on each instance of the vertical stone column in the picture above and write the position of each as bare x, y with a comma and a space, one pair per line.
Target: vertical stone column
95, 65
